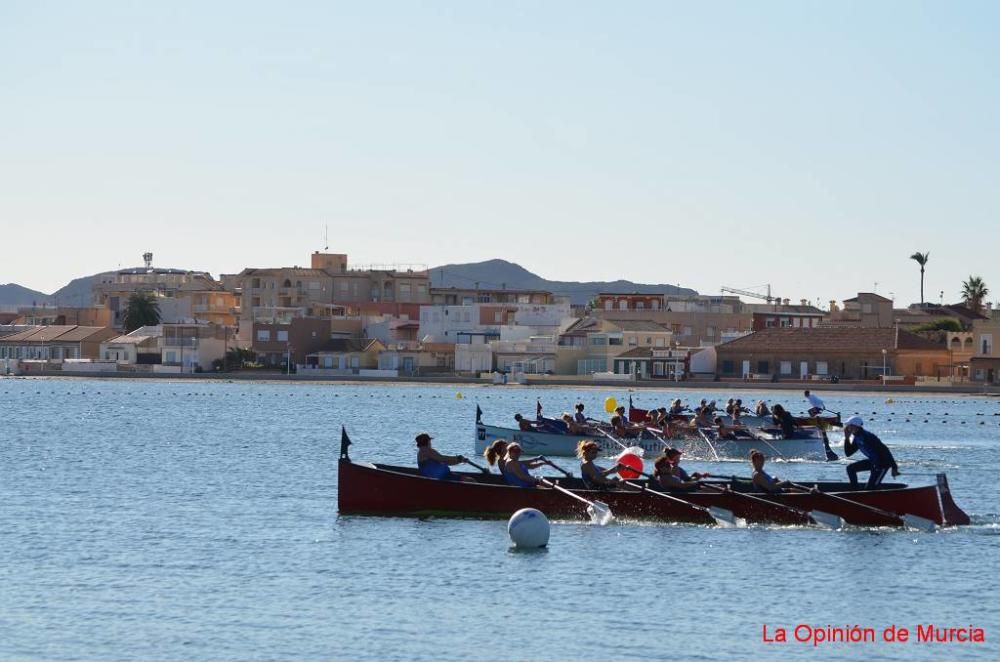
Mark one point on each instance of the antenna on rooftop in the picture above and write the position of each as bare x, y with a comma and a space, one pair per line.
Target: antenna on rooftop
147, 257
326, 237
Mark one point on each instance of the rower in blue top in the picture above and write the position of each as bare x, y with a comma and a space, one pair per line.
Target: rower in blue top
515, 470
432, 464
879, 459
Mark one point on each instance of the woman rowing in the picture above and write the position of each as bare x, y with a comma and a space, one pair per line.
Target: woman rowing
666, 476
496, 454
515, 470
761, 410
432, 464
761, 479
722, 431
676, 408
784, 420
593, 475
572, 427
701, 418
674, 455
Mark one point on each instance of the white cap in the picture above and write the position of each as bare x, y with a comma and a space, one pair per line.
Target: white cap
855, 421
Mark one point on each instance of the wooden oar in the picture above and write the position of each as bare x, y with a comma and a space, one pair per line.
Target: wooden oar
558, 468
830, 455
722, 516
635, 450
905, 520
471, 463
818, 517
600, 512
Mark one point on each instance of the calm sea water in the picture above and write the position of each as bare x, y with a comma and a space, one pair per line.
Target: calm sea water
197, 520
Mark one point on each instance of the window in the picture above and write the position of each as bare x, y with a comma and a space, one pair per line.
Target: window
987, 343
609, 305
866, 308
763, 367
632, 340
282, 336
263, 335
659, 342
822, 368
598, 340
709, 331
687, 331
355, 362
786, 367
728, 367
496, 317
623, 305
639, 305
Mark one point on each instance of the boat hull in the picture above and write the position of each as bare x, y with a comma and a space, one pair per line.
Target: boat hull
368, 489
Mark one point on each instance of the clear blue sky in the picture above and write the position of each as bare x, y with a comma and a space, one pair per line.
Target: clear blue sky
810, 145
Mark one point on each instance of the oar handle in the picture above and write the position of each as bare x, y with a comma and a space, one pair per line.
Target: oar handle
558, 468
471, 463
667, 496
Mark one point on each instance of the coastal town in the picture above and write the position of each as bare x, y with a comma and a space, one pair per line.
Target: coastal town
334, 320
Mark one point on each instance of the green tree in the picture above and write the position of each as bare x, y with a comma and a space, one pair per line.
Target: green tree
974, 290
142, 310
921, 259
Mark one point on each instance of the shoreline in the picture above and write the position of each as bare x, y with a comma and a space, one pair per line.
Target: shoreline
543, 382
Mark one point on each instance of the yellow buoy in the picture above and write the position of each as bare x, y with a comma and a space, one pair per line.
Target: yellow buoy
459, 396
889, 401
610, 404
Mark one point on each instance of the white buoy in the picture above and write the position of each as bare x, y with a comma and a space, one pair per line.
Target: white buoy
528, 528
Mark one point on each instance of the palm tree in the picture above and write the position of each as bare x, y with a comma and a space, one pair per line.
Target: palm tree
921, 259
974, 290
142, 310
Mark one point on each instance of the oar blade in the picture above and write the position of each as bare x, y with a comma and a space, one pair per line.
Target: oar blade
600, 513
827, 520
725, 518
919, 523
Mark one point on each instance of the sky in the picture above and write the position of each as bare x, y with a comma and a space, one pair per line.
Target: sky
812, 146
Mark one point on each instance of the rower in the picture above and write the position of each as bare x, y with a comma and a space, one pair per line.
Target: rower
515, 470
674, 455
730, 406
667, 476
581, 419
760, 409
676, 408
593, 475
572, 427
701, 419
722, 431
815, 404
523, 424
496, 453
784, 420
879, 459
761, 479
432, 464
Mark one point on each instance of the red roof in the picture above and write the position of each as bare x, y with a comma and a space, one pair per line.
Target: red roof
831, 339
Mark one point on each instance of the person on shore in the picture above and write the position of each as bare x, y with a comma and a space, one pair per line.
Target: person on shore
593, 475
496, 454
666, 476
581, 419
878, 459
761, 409
523, 424
515, 470
815, 404
432, 464
761, 479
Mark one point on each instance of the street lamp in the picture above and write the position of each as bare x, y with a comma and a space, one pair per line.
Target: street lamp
884, 352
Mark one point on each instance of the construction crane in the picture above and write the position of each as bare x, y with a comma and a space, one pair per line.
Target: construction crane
756, 295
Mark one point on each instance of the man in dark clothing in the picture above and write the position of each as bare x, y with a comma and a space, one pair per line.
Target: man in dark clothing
879, 459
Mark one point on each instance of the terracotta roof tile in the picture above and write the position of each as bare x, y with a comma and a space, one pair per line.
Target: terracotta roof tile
835, 339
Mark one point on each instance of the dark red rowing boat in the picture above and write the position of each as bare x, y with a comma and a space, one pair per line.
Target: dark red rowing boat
379, 489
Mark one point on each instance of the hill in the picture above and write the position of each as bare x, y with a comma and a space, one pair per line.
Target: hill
495, 274
13, 294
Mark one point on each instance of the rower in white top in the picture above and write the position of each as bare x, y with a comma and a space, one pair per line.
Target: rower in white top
815, 404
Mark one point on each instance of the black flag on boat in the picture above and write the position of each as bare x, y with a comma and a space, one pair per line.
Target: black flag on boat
345, 441
479, 414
